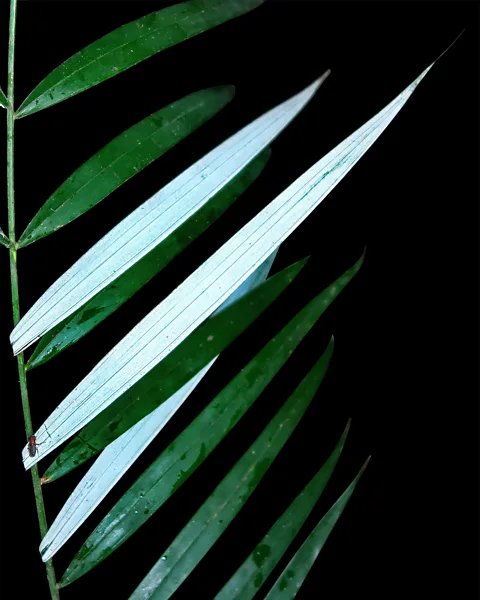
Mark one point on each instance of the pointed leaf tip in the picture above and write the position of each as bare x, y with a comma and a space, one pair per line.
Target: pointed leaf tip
449, 46
295, 573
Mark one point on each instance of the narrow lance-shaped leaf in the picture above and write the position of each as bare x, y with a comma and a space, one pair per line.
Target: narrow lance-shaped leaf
197, 441
288, 584
247, 580
130, 44
153, 221
4, 239
169, 375
114, 461
114, 295
124, 157
3, 99
202, 292
218, 511
143, 397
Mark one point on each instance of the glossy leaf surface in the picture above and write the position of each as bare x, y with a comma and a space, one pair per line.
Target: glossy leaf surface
130, 44
124, 157
247, 580
114, 295
218, 511
287, 585
206, 342
118, 456
153, 221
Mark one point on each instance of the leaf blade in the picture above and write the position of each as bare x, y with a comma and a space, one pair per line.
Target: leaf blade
205, 527
128, 45
166, 378
123, 157
154, 221
118, 457
293, 576
246, 581
134, 404
200, 438
114, 295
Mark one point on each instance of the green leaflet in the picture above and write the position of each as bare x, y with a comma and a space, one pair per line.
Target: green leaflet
246, 581
130, 44
294, 574
124, 157
218, 511
199, 439
3, 99
4, 239
113, 296
195, 352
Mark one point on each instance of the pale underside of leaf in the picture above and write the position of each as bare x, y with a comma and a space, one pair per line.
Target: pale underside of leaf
203, 291
124, 157
247, 580
200, 438
121, 454
114, 295
217, 512
288, 584
151, 223
130, 44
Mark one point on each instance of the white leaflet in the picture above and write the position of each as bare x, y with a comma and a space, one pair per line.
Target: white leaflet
154, 220
167, 325
118, 456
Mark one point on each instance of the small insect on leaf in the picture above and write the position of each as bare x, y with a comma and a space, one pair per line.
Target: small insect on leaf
32, 445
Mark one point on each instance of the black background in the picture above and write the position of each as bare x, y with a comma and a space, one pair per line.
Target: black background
406, 329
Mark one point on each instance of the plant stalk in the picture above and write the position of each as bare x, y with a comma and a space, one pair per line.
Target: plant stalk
42, 520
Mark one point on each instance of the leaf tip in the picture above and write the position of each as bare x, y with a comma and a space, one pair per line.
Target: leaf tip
364, 466
347, 426
449, 46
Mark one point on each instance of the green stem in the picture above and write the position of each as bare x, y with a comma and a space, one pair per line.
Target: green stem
42, 520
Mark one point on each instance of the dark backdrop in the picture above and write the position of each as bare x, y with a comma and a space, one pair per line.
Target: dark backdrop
405, 364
